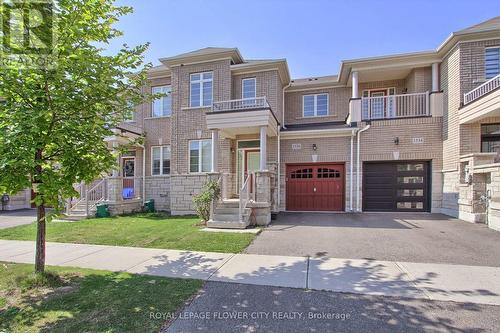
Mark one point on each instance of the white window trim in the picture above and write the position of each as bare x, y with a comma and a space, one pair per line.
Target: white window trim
315, 107
200, 157
243, 87
161, 161
152, 116
201, 81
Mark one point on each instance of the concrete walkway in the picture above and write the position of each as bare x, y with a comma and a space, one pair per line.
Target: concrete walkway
459, 283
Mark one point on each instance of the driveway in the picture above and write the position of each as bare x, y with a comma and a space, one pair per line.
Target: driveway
9, 219
410, 237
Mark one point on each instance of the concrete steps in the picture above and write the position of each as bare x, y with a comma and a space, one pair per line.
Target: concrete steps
226, 216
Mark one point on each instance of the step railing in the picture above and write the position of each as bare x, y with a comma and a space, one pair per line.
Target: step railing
395, 106
482, 90
89, 197
245, 194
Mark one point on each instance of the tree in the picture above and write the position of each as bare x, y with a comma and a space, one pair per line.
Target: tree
55, 116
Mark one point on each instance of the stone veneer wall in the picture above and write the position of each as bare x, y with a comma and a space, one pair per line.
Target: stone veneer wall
182, 189
19, 200
158, 189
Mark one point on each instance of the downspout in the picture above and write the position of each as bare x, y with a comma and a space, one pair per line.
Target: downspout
357, 167
351, 171
283, 105
279, 141
279, 170
143, 174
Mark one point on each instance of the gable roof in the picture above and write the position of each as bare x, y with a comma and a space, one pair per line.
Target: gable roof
204, 54
491, 24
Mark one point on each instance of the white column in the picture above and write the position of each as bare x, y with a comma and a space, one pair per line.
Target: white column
435, 77
215, 151
355, 85
263, 148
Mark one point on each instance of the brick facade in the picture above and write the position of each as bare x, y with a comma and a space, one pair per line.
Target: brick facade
439, 140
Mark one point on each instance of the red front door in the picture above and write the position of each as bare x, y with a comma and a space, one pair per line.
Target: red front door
315, 187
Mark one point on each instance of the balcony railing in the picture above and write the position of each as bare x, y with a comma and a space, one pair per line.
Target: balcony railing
482, 90
240, 104
395, 106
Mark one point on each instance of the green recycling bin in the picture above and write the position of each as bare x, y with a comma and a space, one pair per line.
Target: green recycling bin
149, 206
102, 210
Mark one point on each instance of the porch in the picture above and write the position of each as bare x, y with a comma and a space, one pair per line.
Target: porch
244, 171
123, 188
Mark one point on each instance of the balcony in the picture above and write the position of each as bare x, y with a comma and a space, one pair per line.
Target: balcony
395, 106
481, 102
482, 90
241, 105
242, 116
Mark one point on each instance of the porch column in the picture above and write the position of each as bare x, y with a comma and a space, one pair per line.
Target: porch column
263, 148
355, 85
435, 77
215, 151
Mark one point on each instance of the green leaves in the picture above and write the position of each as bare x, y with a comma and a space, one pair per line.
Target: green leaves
65, 111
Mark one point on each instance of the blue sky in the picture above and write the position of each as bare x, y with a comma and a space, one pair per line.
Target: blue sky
313, 35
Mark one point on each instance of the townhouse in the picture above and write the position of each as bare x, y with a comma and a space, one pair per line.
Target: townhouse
411, 132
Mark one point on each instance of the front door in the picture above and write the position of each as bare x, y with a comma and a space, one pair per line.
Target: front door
251, 165
128, 172
377, 104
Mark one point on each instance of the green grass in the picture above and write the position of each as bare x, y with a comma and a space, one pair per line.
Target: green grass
142, 230
84, 300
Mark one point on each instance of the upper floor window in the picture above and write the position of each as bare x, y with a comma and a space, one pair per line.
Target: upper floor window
162, 107
491, 62
315, 105
200, 156
160, 161
249, 88
201, 89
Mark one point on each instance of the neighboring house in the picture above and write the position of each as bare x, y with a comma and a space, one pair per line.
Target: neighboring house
408, 132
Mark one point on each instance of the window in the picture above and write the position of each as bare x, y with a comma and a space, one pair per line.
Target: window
410, 167
201, 89
302, 174
490, 137
200, 156
162, 107
328, 173
315, 105
249, 88
160, 160
491, 62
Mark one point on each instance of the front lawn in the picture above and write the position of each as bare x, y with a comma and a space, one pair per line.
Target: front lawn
142, 230
84, 300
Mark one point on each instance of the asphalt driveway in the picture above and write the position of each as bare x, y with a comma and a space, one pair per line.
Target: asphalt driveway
410, 237
9, 219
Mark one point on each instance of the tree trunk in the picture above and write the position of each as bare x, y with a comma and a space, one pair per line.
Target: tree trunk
40, 240
40, 217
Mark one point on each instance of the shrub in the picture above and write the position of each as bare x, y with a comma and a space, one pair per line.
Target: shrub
210, 192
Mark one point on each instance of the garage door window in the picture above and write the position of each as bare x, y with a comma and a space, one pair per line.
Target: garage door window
411, 180
410, 167
410, 205
328, 173
302, 173
410, 193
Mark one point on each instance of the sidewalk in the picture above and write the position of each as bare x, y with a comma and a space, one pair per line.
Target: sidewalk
475, 284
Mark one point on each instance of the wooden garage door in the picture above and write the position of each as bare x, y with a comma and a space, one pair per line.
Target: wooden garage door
315, 187
396, 186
